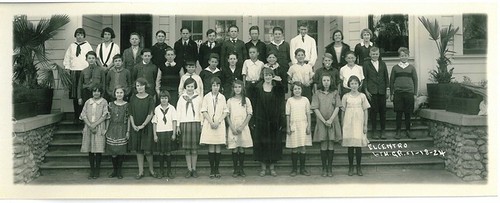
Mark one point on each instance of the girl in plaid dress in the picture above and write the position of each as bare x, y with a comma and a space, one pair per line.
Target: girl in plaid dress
189, 124
298, 117
94, 114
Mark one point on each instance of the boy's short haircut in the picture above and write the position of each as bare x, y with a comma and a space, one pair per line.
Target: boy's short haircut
118, 56
255, 27
277, 29
328, 55
145, 50
169, 49
80, 31
136, 34
190, 63
233, 26
303, 24
366, 30
404, 49
254, 47
164, 93
210, 31
186, 28
350, 52
374, 49
213, 56
90, 53
109, 30
300, 50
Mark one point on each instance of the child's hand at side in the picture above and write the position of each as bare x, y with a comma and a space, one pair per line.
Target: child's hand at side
365, 129
156, 137
308, 130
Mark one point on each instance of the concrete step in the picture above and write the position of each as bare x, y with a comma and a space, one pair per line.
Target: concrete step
435, 162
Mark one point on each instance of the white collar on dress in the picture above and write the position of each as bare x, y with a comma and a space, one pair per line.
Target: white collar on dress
215, 71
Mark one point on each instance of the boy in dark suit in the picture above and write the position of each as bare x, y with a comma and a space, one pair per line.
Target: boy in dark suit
376, 83
185, 48
132, 55
211, 46
233, 44
255, 42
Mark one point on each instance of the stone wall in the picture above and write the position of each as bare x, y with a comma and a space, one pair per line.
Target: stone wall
29, 150
466, 145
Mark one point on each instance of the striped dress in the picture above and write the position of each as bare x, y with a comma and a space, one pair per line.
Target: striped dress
116, 140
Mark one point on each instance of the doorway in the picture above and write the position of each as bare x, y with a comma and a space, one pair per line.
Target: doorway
140, 23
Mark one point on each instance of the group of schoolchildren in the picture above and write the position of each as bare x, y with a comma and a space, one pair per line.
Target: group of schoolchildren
156, 99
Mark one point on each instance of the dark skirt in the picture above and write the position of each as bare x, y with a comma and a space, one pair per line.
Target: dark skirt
404, 102
142, 141
164, 144
116, 141
268, 143
190, 133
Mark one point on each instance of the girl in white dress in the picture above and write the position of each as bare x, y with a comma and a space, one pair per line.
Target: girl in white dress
238, 133
298, 117
213, 132
355, 109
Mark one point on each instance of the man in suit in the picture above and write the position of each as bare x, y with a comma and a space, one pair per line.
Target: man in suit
185, 48
376, 83
233, 44
211, 46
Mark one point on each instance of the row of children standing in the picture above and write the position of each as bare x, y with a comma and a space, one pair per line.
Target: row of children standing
265, 85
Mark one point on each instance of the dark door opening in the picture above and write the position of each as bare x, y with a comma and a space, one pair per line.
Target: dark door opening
140, 23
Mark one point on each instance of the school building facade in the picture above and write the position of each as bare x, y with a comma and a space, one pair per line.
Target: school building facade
470, 58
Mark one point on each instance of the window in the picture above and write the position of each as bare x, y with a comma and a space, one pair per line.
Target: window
268, 29
222, 28
196, 27
389, 32
475, 33
313, 28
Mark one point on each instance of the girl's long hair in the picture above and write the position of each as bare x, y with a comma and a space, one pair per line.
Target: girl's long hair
243, 94
331, 88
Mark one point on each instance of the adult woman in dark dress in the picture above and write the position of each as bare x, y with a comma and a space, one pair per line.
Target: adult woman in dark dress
158, 50
338, 49
268, 138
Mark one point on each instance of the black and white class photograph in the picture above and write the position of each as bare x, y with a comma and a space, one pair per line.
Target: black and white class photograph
253, 99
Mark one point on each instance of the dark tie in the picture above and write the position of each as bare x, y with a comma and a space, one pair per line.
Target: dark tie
302, 38
185, 43
78, 48
164, 115
234, 41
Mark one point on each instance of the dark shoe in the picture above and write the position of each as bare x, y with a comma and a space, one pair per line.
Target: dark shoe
194, 174
212, 175
293, 173
119, 176
274, 174
409, 135
382, 135
304, 172
112, 175
91, 174
324, 172
96, 174
262, 173
217, 173
155, 175
139, 176
358, 171
242, 173
398, 135
188, 174
351, 171
330, 173
235, 173
170, 174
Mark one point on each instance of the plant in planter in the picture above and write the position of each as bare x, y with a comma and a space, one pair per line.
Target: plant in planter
31, 66
463, 100
438, 93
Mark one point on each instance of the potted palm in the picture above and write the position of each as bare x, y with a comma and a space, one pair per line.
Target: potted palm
441, 76
31, 66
